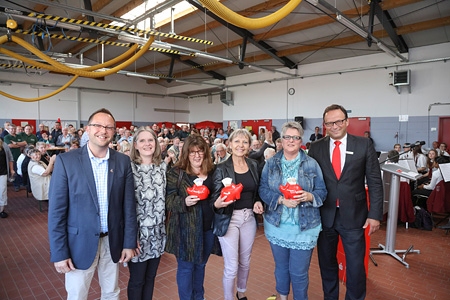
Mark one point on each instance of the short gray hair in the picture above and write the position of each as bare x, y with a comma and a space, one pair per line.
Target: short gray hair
293, 125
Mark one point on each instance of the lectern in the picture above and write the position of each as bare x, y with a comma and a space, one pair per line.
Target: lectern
393, 185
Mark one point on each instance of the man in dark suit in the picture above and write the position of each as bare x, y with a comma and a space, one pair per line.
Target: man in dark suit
345, 212
316, 135
92, 212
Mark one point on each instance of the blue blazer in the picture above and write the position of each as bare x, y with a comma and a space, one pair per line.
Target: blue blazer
361, 164
73, 214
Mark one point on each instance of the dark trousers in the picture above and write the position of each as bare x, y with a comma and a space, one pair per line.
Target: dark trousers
142, 279
18, 181
354, 244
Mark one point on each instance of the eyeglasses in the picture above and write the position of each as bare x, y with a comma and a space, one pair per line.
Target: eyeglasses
200, 153
294, 137
99, 127
338, 123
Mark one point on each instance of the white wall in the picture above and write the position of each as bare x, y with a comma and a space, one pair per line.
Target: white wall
366, 92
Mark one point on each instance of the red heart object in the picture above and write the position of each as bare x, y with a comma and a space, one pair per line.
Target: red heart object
233, 192
289, 190
201, 191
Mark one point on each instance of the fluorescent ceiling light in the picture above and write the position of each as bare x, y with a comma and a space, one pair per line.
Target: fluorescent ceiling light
50, 22
142, 76
131, 39
189, 82
209, 56
389, 51
386, 49
351, 25
161, 45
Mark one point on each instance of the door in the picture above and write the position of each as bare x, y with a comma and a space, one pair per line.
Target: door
444, 131
255, 125
23, 122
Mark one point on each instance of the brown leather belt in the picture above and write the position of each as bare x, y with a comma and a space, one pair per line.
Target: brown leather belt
103, 234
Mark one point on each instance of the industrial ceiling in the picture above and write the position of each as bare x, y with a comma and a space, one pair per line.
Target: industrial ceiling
193, 44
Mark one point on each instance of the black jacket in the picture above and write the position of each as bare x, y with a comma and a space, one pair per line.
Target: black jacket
224, 170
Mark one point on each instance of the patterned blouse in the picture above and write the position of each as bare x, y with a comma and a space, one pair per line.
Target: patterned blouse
150, 192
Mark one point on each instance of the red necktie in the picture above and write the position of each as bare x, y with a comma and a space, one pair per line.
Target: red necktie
336, 159
336, 163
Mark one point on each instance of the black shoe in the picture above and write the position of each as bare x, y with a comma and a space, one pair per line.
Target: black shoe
3, 215
16, 189
446, 226
243, 298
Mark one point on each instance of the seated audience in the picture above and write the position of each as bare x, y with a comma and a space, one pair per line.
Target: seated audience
426, 177
436, 177
316, 135
42, 147
220, 155
125, 148
278, 144
40, 174
222, 135
126, 137
41, 131
420, 160
443, 149
45, 138
75, 145
64, 139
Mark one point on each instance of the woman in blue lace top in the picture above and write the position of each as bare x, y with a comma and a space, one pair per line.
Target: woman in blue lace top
292, 225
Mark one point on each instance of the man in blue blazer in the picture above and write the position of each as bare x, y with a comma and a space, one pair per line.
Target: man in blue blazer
92, 212
345, 212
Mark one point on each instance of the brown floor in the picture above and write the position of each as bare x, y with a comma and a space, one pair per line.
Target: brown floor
26, 273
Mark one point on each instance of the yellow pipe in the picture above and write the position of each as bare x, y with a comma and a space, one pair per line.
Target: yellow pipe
248, 23
65, 69
41, 97
54, 69
76, 72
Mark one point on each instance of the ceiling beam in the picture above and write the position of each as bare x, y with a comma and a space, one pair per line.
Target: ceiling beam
320, 21
338, 42
388, 24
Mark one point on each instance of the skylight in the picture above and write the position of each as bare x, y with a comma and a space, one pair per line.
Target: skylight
161, 18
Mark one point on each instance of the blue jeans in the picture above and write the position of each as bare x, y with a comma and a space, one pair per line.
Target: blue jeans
190, 276
291, 265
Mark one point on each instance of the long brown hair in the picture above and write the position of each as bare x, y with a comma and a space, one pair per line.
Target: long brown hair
134, 153
191, 142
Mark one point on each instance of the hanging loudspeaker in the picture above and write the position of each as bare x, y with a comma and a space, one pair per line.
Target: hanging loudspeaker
300, 120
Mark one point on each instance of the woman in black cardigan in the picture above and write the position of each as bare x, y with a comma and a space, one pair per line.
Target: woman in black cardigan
235, 223
189, 230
